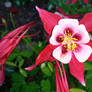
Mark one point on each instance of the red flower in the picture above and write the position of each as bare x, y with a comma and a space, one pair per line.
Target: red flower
8, 44
49, 21
74, 1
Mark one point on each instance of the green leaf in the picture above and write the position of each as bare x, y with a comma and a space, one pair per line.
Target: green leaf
31, 87
17, 82
50, 66
76, 90
45, 86
26, 53
19, 58
12, 57
46, 70
18, 78
10, 63
88, 65
23, 72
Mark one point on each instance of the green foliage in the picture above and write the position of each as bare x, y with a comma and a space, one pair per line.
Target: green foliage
78, 7
88, 65
45, 86
46, 71
76, 90
89, 81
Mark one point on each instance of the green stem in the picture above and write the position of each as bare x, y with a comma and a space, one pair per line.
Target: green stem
12, 20
10, 64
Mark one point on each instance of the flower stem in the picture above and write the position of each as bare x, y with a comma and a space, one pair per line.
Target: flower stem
12, 20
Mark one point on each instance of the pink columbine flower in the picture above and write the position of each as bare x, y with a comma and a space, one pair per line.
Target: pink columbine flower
71, 38
69, 42
74, 1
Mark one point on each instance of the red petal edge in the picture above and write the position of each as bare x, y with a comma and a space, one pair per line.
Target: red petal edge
87, 21
77, 70
49, 19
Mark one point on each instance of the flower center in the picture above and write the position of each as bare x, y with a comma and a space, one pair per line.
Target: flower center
67, 41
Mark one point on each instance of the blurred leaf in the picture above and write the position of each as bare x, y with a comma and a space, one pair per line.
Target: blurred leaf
88, 65
76, 90
18, 78
34, 71
23, 72
17, 82
50, 66
89, 82
26, 53
10, 63
19, 58
31, 87
46, 71
21, 63
45, 86
12, 57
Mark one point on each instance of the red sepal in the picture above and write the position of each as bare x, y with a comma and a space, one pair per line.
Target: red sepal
49, 19
45, 55
77, 70
87, 21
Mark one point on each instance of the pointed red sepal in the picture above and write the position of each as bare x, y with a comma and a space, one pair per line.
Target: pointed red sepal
49, 19
77, 70
2, 74
31, 67
87, 21
90, 58
45, 54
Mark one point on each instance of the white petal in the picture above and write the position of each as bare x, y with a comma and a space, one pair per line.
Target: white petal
72, 24
84, 34
64, 58
57, 30
68, 21
83, 53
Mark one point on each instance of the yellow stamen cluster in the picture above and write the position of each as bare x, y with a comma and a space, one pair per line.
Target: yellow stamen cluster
69, 40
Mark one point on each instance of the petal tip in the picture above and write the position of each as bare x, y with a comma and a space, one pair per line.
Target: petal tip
83, 83
37, 8
30, 68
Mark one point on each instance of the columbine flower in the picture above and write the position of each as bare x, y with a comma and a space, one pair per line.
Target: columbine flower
74, 1
8, 44
69, 40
